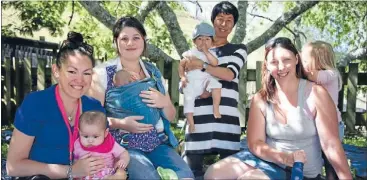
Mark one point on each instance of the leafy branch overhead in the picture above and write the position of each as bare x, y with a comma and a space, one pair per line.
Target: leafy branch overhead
345, 22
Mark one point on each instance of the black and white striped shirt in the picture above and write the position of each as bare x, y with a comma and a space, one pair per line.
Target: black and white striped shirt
219, 135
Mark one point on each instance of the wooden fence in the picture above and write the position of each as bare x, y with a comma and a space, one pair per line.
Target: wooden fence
26, 67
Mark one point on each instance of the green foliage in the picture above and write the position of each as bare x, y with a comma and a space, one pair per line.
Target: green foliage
344, 20
289, 5
7, 30
36, 15
48, 14
4, 150
355, 140
263, 5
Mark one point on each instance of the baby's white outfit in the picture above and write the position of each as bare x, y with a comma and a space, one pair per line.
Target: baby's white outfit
197, 81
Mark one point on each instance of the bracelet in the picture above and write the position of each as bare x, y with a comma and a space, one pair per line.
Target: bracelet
68, 172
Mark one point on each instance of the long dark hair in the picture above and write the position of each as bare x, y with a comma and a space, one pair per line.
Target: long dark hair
73, 44
267, 90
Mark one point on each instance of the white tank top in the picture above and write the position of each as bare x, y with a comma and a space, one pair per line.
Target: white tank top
299, 133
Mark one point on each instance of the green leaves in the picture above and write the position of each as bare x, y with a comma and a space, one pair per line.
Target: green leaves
345, 21
36, 15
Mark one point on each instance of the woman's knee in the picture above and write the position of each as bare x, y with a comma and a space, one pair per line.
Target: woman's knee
254, 174
227, 168
139, 162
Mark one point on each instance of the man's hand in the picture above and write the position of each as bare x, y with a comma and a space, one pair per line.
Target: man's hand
184, 81
193, 63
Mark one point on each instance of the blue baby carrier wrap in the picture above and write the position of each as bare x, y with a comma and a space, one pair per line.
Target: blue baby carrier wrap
124, 101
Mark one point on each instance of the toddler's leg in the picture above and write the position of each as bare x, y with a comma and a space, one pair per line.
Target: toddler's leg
216, 94
190, 121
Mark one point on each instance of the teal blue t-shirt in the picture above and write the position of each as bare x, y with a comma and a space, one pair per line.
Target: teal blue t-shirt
39, 116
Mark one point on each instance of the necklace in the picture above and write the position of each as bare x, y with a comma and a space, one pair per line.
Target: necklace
70, 115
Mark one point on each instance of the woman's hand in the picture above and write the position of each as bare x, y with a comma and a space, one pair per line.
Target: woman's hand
288, 159
88, 165
132, 125
193, 63
153, 98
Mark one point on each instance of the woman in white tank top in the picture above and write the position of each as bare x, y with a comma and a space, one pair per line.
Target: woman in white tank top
288, 114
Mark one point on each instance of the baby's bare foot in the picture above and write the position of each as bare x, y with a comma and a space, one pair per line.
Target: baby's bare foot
217, 115
191, 128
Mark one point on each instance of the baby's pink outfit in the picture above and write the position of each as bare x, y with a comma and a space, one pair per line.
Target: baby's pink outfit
329, 79
109, 149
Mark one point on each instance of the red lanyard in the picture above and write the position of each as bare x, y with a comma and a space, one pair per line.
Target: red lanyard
72, 136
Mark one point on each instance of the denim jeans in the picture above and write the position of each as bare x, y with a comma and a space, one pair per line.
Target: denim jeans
144, 165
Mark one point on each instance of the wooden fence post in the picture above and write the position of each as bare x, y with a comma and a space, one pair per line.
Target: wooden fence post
243, 95
175, 95
7, 59
48, 69
53, 60
352, 97
258, 74
18, 56
27, 71
341, 92
160, 66
34, 68
41, 67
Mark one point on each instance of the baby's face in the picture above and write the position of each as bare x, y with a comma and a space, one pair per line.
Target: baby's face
306, 57
92, 135
202, 42
122, 78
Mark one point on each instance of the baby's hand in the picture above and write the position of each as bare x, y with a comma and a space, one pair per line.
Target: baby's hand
121, 164
299, 156
134, 76
183, 82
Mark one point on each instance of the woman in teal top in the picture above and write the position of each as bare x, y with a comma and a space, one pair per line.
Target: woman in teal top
44, 123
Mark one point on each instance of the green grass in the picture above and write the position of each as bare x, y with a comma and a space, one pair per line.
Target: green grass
210, 159
356, 141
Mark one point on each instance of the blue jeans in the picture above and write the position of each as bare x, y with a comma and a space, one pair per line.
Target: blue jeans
144, 165
273, 171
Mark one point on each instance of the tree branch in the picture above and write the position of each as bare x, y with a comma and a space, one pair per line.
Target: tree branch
145, 8
360, 53
118, 5
170, 19
72, 12
280, 23
263, 17
240, 31
103, 16
97, 11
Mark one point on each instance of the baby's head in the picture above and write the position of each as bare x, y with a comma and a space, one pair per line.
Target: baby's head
122, 77
318, 55
203, 33
92, 128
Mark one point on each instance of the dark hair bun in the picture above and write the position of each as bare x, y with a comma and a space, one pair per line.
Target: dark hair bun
75, 37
